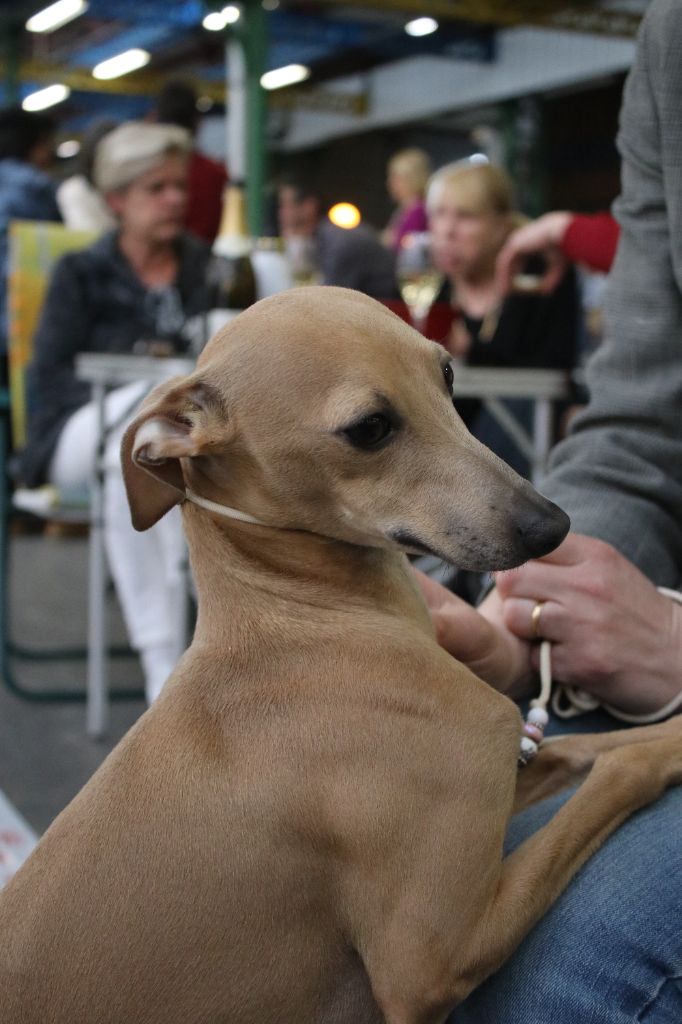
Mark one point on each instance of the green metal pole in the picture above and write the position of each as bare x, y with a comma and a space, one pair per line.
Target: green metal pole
254, 41
10, 32
525, 155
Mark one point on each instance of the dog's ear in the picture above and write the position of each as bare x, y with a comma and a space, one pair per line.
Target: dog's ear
173, 423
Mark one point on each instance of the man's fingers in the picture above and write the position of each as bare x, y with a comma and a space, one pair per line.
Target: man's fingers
434, 593
570, 552
530, 619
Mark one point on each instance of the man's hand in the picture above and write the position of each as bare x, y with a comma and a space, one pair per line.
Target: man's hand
612, 633
478, 638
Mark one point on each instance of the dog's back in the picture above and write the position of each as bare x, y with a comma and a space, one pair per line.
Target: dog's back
201, 874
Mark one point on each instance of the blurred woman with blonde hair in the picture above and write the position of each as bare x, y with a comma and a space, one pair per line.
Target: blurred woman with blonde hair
471, 213
408, 174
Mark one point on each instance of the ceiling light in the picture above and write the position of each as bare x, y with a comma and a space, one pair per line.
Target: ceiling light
56, 15
421, 27
121, 64
290, 74
344, 215
44, 98
216, 21
68, 148
478, 158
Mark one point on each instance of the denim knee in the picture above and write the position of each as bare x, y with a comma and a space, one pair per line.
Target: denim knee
610, 950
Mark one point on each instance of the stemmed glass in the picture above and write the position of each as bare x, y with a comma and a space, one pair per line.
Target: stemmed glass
418, 279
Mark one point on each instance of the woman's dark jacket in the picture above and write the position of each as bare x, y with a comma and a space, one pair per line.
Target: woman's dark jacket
96, 303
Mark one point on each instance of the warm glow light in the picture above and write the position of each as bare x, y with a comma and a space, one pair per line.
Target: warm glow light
56, 15
344, 215
46, 97
216, 21
288, 75
121, 64
68, 148
421, 27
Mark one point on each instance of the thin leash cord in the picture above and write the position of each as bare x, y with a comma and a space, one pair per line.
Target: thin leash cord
571, 701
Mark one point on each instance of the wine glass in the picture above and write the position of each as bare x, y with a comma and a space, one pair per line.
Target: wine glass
418, 279
301, 254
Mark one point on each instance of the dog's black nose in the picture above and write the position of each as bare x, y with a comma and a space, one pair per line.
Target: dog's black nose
543, 529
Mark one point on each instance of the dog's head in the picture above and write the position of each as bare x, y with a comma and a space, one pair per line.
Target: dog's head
320, 410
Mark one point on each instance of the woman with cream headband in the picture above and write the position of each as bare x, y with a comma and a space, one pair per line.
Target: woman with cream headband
135, 289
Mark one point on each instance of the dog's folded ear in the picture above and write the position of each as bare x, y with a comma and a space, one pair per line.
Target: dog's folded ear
173, 423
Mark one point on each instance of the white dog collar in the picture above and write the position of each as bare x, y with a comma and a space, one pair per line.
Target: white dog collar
222, 510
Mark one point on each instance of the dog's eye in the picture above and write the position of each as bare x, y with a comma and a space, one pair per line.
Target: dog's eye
370, 432
449, 378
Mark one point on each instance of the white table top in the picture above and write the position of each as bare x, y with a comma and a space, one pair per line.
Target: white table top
469, 381
500, 382
113, 369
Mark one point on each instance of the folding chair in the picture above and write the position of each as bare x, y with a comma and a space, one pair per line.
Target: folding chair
34, 248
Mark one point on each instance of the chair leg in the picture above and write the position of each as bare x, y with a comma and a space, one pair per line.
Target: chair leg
8, 648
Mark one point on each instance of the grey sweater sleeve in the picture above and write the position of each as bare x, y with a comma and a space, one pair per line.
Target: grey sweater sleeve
619, 473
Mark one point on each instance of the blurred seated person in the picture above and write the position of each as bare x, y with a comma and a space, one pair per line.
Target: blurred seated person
471, 216
560, 238
206, 178
27, 192
82, 206
134, 289
408, 173
321, 252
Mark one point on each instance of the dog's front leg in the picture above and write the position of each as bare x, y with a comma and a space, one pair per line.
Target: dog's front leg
565, 761
425, 967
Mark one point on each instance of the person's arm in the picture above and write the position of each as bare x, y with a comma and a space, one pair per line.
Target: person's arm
560, 238
619, 473
541, 237
591, 239
63, 330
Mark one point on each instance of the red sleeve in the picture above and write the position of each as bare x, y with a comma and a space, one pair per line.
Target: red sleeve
206, 182
592, 239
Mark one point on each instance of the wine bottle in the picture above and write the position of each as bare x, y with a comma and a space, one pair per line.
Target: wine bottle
232, 275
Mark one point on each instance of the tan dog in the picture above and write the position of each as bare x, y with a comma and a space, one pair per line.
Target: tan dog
307, 827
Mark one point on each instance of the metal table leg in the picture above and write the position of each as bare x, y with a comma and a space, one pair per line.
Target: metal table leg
97, 709
542, 437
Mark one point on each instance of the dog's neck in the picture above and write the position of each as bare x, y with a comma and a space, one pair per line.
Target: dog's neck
283, 569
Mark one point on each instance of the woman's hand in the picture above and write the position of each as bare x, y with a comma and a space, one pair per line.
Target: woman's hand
541, 237
612, 633
478, 638
458, 340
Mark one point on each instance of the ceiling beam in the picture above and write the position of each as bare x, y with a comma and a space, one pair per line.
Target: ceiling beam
138, 83
577, 17
148, 83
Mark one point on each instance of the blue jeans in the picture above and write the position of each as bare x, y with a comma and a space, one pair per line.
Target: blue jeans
610, 949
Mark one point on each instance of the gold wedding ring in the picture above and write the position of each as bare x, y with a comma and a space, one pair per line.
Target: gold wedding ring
535, 618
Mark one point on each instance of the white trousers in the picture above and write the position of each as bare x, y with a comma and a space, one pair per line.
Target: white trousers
148, 569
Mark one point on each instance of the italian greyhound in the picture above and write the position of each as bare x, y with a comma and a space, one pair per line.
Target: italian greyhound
307, 826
